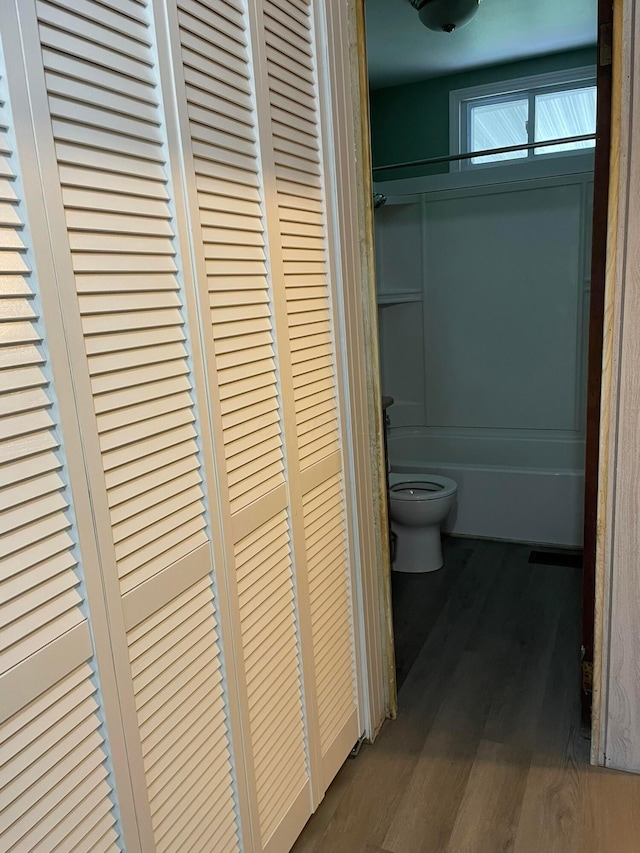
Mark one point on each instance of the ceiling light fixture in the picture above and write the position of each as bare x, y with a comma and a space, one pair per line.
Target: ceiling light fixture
445, 15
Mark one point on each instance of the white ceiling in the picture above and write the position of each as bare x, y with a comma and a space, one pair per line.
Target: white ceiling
401, 50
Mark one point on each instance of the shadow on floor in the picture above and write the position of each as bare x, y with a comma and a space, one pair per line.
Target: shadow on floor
417, 600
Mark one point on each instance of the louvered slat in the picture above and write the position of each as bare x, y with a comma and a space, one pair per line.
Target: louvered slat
223, 139
270, 645
330, 606
54, 789
181, 706
106, 119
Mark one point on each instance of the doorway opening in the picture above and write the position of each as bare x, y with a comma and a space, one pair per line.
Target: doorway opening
490, 251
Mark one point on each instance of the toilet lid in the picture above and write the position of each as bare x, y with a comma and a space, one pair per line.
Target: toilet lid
428, 487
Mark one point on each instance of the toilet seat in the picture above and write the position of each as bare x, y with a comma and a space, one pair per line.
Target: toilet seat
420, 487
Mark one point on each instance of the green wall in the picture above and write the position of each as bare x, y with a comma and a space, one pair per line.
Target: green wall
411, 122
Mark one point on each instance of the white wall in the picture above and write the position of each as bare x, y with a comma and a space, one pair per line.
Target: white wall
483, 316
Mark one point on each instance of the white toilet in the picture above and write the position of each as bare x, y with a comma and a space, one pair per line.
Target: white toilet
418, 504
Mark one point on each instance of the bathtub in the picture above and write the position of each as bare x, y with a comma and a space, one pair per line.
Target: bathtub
539, 502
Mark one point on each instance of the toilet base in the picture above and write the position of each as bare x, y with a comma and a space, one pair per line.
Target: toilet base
418, 549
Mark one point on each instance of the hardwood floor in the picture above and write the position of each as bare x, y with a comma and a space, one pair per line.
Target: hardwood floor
487, 753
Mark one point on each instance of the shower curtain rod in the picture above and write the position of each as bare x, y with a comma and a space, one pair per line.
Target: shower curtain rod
505, 150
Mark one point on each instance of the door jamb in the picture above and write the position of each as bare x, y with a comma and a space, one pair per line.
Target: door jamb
595, 467
616, 688
349, 105
599, 259
373, 354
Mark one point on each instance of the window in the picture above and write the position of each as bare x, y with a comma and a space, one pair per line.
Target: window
538, 109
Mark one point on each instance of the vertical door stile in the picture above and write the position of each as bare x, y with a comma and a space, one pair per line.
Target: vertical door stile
284, 357
91, 508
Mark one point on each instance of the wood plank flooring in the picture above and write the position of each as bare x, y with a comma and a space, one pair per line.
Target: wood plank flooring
487, 753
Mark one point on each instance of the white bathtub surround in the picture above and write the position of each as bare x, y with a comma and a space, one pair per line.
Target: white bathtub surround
484, 295
542, 507
502, 499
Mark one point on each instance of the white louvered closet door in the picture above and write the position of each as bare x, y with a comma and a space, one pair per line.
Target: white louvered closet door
102, 134
216, 96
302, 242
176, 161
55, 788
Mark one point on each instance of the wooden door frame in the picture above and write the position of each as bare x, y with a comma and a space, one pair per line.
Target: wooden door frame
616, 683
596, 336
373, 351
352, 201
612, 575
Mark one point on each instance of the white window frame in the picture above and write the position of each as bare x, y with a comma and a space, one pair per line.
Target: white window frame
521, 86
